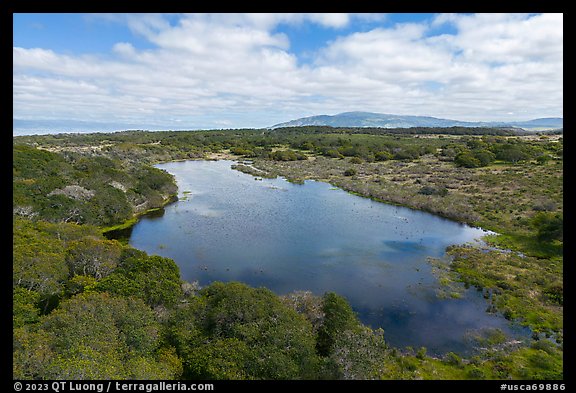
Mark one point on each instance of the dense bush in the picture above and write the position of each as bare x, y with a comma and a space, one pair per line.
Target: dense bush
286, 155
154, 279
95, 190
94, 336
250, 334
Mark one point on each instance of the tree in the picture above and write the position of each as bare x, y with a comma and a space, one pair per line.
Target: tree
383, 155
95, 336
307, 145
24, 306
307, 304
79, 284
286, 155
543, 158
225, 358
38, 262
333, 153
154, 279
71, 187
241, 151
338, 318
550, 226
234, 331
358, 354
350, 172
31, 353
467, 160
512, 153
93, 257
485, 157
109, 206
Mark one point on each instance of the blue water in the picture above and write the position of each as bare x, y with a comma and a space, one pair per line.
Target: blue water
227, 226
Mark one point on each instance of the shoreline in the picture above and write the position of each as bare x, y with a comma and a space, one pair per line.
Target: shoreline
136, 217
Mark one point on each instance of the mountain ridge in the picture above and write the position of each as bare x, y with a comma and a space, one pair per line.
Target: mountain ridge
384, 120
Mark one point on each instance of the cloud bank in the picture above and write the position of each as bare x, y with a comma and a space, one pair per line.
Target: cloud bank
238, 70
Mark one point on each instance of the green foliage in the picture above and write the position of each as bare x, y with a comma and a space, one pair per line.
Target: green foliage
281, 340
94, 336
549, 226
555, 293
350, 172
338, 318
286, 155
31, 163
242, 152
31, 353
79, 284
358, 353
543, 159
107, 207
220, 358
43, 256
96, 190
234, 331
429, 190
478, 154
333, 153
383, 156
93, 257
467, 160
512, 153
453, 359
38, 262
485, 157
150, 181
154, 279
407, 153
108, 324
421, 354
24, 306
536, 363
522, 287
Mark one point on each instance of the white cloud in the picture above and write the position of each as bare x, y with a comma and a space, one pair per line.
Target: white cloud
235, 69
331, 20
124, 49
509, 37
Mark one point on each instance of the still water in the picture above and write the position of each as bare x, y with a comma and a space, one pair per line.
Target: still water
228, 226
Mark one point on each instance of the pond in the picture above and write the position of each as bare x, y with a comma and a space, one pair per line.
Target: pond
231, 226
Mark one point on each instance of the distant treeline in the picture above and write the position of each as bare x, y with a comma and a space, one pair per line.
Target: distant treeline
142, 136
412, 130
477, 147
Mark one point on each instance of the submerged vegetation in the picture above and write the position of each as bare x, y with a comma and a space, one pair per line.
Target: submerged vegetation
86, 307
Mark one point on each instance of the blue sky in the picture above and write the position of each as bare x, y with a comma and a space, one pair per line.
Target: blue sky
87, 72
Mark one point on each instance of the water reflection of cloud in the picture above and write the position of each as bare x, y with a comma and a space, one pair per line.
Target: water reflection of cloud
206, 211
317, 239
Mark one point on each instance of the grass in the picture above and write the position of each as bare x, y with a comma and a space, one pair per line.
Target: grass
521, 287
130, 222
526, 244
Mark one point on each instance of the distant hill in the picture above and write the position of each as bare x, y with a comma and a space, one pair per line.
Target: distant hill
368, 119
